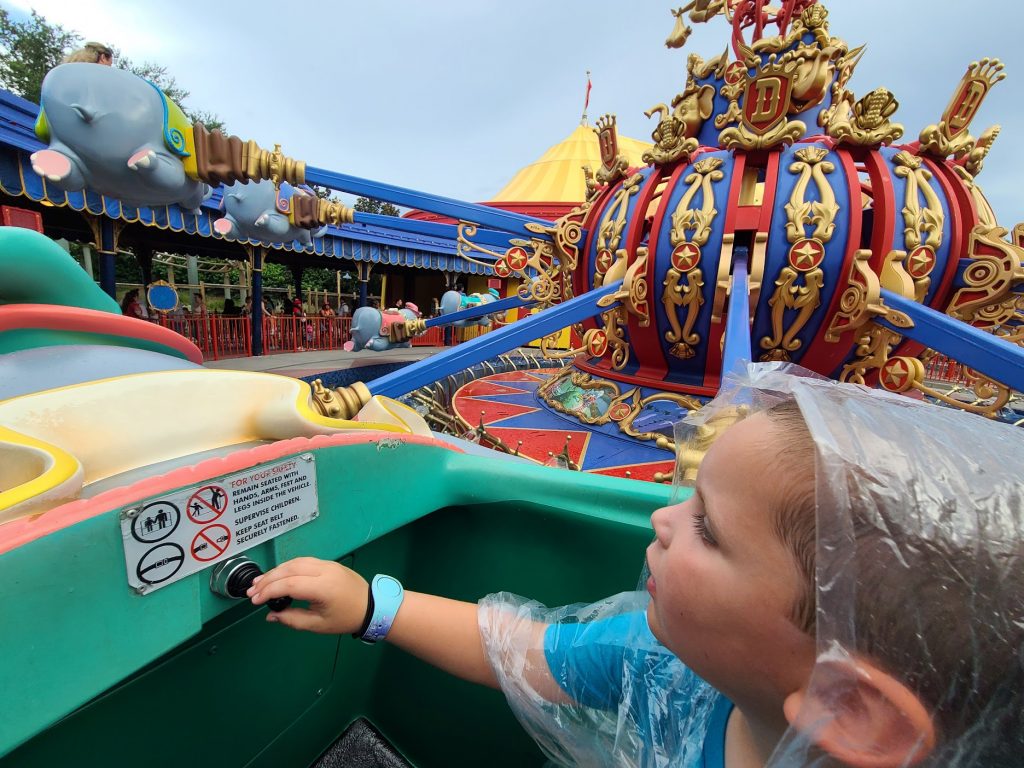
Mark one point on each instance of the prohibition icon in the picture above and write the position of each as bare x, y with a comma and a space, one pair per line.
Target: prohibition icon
206, 504
210, 543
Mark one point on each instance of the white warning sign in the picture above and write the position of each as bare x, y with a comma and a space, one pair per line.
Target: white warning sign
169, 538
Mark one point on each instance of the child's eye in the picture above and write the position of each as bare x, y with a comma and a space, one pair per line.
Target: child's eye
700, 524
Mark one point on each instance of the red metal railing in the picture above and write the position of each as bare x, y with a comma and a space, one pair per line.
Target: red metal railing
219, 337
942, 368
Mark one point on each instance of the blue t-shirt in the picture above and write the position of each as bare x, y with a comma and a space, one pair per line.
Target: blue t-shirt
618, 664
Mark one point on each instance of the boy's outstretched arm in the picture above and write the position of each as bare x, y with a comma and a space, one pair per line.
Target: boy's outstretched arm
439, 631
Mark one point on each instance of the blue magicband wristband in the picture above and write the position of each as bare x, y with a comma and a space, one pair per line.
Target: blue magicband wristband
386, 595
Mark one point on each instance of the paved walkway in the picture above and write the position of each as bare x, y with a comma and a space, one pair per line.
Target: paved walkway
301, 364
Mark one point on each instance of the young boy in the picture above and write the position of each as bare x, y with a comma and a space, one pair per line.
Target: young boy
840, 589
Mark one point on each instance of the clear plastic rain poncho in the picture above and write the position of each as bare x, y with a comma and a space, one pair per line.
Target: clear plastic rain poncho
919, 568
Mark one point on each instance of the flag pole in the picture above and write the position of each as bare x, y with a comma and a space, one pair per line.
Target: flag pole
586, 101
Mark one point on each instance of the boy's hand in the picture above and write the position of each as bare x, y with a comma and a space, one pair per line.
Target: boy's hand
337, 595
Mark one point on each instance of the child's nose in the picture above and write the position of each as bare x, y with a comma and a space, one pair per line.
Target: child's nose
661, 521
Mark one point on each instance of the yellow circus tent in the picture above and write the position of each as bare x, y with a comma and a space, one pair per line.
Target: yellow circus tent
557, 177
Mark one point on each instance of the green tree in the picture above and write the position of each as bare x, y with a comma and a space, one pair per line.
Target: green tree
30, 49
369, 205
167, 83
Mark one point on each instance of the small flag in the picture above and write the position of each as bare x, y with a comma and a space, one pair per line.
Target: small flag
586, 101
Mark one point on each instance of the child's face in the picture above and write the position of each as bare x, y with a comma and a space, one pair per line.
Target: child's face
722, 583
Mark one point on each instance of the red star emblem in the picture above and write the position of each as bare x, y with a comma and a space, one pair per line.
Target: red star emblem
896, 375
516, 258
806, 254
686, 256
619, 412
921, 261
734, 72
501, 269
598, 344
604, 260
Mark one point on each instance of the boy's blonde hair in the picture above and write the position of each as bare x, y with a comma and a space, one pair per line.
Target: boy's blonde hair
942, 613
90, 53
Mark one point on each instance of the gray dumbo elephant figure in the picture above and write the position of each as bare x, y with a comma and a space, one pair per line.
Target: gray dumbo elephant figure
259, 211
454, 301
370, 329
117, 134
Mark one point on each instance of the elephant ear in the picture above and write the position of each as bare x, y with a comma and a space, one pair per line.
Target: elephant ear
706, 101
42, 127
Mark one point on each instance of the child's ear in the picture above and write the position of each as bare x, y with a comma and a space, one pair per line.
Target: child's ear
862, 716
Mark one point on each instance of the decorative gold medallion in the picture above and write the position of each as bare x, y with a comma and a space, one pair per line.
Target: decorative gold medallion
619, 411
899, 374
921, 262
598, 343
685, 257
806, 254
501, 268
516, 258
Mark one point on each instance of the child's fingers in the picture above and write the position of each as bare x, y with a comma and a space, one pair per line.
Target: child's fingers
300, 587
300, 566
297, 618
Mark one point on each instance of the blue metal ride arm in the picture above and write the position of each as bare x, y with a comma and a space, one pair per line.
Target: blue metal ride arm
497, 342
999, 360
737, 321
484, 215
479, 310
486, 237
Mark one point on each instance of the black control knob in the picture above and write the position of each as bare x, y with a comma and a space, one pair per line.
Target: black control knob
234, 576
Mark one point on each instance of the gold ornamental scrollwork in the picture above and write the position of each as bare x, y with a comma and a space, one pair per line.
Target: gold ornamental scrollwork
763, 120
698, 221
865, 123
921, 251
916, 219
637, 406
611, 227
902, 374
613, 165
860, 301
623, 407
582, 380
806, 253
592, 343
876, 341
950, 136
633, 291
614, 336
790, 295
811, 165
988, 298
675, 136
691, 228
975, 159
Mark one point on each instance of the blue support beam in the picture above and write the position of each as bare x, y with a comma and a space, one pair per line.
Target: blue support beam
479, 310
488, 238
999, 360
489, 345
737, 319
485, 215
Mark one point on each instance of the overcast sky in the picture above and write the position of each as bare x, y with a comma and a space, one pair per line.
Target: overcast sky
453, 97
